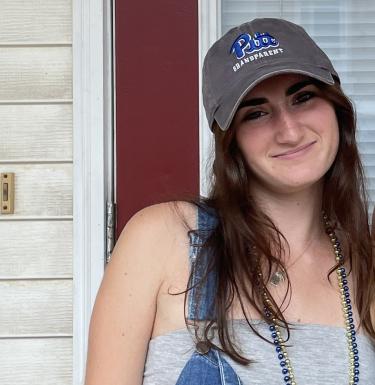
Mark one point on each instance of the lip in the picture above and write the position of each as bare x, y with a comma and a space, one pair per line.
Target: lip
295, 152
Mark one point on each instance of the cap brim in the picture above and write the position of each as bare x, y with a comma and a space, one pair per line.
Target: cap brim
224, 115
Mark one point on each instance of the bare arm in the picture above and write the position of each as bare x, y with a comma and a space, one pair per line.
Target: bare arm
125, 307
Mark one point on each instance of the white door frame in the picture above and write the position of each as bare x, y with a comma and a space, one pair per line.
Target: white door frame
92, 161
209, 31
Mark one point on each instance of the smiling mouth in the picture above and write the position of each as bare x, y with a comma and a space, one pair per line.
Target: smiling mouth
295, 150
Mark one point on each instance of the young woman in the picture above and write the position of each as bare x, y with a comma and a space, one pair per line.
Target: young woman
270, 280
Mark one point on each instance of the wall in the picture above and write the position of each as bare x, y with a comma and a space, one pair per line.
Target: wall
36, 144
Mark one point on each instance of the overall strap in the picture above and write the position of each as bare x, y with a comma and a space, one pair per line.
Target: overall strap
201, 307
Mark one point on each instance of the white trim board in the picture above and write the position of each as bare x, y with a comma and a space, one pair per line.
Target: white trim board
91, 135
209, 12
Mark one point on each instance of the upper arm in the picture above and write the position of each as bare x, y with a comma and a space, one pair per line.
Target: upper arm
125, 306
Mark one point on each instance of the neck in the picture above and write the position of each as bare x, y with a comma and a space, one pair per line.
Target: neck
297, 215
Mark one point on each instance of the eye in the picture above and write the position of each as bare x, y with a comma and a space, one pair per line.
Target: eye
303, 97
253, 115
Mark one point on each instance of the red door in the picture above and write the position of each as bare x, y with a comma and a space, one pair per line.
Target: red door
157, 131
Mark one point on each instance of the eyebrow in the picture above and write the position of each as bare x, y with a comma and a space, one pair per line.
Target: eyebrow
290, 91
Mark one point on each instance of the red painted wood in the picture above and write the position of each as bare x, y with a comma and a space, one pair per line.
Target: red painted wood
157, 103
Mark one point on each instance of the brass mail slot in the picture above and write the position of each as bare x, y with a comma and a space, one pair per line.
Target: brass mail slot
7, 192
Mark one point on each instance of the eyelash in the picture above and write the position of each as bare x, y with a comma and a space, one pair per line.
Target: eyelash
301, 98
254, 115
304, 97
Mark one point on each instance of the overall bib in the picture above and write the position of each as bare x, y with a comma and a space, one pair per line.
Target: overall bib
207, 367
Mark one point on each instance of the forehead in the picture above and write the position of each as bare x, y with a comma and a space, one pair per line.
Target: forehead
274, 84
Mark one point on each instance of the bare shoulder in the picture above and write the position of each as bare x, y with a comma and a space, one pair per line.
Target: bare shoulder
159, 217
149, 239
161, 224
127, 304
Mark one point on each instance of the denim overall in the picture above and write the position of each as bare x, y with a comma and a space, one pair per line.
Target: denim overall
205, 366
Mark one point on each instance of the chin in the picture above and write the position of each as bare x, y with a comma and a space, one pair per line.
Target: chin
298, 186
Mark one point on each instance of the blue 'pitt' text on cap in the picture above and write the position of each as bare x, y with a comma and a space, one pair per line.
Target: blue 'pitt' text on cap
246, 44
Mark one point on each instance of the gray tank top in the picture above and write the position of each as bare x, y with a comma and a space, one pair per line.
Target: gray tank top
319, 355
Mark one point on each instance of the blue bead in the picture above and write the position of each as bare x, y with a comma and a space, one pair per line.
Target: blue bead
347, 301
356, 358
276, 342
346, 288
274, 335
356, 372
282, 363
272, 328
347, 295
354, 339
354, 345
286, 378
356, 379
281, 356
349, 307
345, 281
350, 314
351, 326
350, 320
285, 371
343, 275
278, 349
356, 364
353, 333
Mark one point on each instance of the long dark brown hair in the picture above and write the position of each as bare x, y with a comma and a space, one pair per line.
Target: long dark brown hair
241, 222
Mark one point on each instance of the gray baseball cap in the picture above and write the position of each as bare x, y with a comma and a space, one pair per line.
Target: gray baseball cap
252, 52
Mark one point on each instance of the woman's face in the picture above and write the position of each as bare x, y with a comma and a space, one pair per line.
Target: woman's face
287, 132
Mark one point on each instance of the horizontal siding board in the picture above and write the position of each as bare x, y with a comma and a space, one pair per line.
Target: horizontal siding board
36, 249
36, 67
42, 189
41, 361
48, 129
32, 73
35, 307
35, 21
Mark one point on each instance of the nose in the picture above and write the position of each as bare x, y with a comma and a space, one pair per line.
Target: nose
288, 129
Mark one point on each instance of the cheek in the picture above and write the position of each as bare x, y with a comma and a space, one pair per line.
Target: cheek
251, 142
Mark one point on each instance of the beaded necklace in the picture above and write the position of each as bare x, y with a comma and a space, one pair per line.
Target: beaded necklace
282, 354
